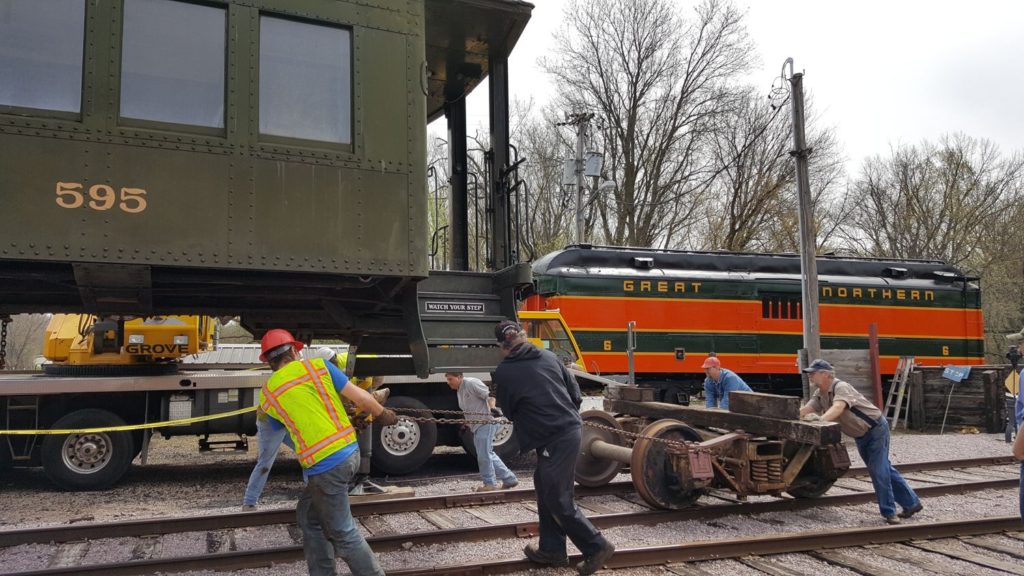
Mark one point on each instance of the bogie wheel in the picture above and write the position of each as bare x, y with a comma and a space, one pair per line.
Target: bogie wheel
89, 461
591, 470
654, 477
504, 443
406, 445
808, 487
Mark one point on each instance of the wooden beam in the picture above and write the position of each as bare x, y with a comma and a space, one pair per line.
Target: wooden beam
767, 405
816, 433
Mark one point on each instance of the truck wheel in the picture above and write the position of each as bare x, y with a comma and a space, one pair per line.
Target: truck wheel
92, 461
405, 446
505, 444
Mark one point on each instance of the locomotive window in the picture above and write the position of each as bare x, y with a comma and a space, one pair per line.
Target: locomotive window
305, 80
781, 307
550, 335
41, 46
172, 62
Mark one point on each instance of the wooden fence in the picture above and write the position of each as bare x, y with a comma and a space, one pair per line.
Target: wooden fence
978, 401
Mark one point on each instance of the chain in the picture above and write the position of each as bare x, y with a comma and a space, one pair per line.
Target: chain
683, 445
4, 321
679, 444
491, 420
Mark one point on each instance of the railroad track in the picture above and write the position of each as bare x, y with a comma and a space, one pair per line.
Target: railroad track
234, 559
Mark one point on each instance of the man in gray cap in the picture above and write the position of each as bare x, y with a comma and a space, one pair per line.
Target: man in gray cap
837, 401
542, 399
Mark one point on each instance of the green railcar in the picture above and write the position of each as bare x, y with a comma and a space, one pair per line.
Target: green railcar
259, 158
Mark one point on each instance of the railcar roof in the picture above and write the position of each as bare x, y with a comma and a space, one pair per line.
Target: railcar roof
613, 260
460, 36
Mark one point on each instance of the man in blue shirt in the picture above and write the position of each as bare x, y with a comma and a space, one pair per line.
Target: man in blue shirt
305, 397
1018, 409
719, 383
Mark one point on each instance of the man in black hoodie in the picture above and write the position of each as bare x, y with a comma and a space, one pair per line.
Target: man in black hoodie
542, 399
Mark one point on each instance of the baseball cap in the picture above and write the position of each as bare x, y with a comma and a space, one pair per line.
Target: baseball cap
712, 362
505, 329
819, 365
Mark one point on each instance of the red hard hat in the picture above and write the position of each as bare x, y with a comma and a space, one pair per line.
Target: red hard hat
712, 362
277, 337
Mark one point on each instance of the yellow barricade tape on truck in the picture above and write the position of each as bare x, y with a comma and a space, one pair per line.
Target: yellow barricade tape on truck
130, 427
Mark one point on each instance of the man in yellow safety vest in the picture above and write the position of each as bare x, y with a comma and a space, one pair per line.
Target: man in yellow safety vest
304, 396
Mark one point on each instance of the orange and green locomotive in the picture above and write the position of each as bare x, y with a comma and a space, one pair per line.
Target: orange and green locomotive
746, 309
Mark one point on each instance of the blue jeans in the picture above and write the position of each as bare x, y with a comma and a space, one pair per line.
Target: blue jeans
268, 441
327, 526
487, 460
890, 487
1022, 493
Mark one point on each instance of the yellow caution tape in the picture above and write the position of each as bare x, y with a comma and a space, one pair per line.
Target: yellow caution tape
148, 425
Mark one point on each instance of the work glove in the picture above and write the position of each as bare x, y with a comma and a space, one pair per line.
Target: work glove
812, 417
360, 420
386, 418
496, 412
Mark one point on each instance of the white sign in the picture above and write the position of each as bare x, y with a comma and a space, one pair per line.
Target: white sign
455, 307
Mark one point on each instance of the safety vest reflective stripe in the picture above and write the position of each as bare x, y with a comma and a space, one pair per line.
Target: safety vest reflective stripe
308, 453
288, 422
300, 395
314, 377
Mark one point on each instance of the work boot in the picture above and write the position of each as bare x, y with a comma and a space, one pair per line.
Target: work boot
908, 512
510, 484
593, 563
538, 556
892, 520
486, 488
381, 395
248, 507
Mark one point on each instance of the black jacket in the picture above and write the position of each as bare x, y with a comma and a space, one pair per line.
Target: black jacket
538, 394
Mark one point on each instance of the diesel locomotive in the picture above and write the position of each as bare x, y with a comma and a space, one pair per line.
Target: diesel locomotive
745, 308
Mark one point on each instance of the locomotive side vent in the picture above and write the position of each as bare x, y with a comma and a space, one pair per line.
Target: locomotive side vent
894, 272
643, 262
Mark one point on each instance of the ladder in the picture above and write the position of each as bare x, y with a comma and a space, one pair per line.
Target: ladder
898, 393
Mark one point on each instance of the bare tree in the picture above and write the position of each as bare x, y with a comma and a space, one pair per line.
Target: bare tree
751, 203
657, 80
25, 340
933, 201
552, 208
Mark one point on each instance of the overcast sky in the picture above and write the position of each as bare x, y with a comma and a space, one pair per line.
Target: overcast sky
882, 73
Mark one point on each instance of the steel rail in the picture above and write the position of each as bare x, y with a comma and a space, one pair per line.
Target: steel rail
159, 526
755, 545
385, 543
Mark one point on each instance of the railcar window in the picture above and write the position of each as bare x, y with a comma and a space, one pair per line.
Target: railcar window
172, 62
305, 80
781, 307
41, 46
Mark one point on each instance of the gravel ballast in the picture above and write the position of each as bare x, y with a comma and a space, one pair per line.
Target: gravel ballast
180, 481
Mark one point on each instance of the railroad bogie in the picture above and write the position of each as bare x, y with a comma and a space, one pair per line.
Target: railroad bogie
672, 462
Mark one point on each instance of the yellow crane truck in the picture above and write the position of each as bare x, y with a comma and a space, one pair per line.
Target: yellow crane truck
108, 373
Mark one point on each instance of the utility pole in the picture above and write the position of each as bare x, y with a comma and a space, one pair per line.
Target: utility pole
581, 121
808, 245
